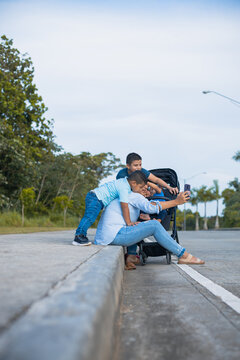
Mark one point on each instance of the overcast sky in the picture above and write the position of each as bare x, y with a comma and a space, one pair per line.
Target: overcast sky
125, 76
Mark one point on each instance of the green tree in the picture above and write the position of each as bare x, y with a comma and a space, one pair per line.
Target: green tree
73, 176
235, 184
27, 198
179, 219
231, 200
25, 134
63, 203
217, 196
236, 157
190, 219
194, 201
205, 195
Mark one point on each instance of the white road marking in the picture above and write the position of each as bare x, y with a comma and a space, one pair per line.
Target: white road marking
226, 296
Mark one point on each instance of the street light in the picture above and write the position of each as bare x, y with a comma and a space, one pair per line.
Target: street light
184, 209
226, 97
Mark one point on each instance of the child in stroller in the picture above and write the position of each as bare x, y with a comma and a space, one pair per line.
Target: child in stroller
147, 248
156, 193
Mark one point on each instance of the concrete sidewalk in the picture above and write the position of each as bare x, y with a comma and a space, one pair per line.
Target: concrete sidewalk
57, 301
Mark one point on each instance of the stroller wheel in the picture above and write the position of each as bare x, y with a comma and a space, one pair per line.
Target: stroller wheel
143, 258
168, 257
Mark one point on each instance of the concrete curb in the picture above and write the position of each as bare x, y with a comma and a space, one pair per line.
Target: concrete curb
76, 320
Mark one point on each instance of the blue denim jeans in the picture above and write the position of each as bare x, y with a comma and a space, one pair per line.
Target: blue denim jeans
132, 250
93, 206
130, 235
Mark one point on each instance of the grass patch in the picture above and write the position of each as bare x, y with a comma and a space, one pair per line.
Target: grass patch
11, 223
13, 219
26, 230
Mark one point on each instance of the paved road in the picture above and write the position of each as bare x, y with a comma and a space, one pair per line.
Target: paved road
166, 315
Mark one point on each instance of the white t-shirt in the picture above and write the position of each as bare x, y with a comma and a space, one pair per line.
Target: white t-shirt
112, 219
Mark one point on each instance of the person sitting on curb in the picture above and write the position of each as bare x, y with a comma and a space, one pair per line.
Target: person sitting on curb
112, 230
133, 163
100, 197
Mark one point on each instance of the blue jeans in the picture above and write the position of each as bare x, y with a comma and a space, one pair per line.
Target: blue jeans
93, 206
131, 235
132, 250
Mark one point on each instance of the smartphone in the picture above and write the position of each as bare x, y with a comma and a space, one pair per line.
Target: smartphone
187, 187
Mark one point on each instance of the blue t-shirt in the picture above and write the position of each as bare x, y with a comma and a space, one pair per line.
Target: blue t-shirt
124, 173
113, 189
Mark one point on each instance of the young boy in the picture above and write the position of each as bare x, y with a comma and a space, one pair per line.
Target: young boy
100, 197
133, 163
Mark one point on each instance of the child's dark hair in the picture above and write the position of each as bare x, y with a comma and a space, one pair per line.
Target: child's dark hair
138, 176
132, 157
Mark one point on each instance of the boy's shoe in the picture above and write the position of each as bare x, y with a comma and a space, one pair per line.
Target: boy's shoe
81, 240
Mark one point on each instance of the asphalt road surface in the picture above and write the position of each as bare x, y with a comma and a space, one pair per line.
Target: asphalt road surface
167, 314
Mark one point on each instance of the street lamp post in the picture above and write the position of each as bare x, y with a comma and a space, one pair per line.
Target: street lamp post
226, 97
184, 209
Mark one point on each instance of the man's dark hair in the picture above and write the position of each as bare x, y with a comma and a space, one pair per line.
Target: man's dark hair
138, 176
132, 157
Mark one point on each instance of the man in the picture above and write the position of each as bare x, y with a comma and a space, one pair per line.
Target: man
112, 230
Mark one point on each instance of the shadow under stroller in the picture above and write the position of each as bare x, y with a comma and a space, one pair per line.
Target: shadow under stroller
153, 249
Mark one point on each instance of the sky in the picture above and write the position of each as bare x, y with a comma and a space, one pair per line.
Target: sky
127, 76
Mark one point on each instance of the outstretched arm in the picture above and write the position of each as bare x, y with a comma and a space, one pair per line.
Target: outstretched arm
182, 198
162, 183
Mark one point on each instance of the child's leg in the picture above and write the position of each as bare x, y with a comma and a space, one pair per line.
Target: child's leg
92, 209
132, 250
162, 214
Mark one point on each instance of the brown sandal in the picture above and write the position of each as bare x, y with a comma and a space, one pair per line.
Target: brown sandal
129, 263
130, 266
133, 259
191, 260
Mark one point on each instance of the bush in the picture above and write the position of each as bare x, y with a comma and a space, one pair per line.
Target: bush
54, 219
11, 218
41, 221
38, 210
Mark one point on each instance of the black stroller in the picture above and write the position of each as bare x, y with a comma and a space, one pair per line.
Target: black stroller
153, 248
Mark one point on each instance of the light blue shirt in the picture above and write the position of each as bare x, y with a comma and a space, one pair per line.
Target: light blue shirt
112, 219
113, 189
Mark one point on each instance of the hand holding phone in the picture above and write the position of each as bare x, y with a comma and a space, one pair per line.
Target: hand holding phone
187, 187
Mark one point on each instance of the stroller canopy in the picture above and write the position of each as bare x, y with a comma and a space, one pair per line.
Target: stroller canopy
168, 175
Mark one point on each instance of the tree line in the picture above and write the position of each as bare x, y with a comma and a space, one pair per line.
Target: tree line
204, 194
37, 178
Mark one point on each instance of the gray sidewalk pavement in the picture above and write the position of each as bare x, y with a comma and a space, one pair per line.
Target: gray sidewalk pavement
55, 297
